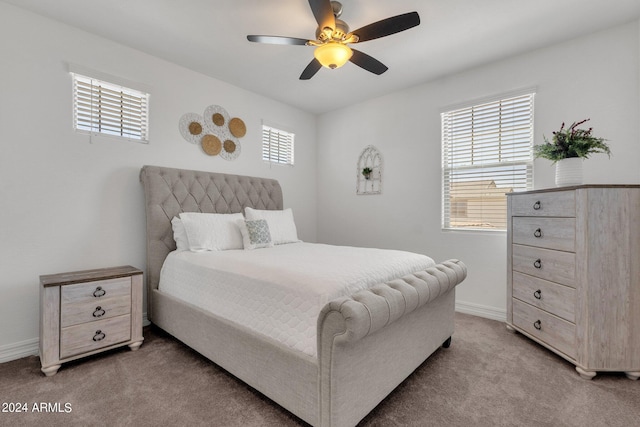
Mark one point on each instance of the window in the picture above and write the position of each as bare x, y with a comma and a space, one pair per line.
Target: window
109, 109
277, 145
486, 152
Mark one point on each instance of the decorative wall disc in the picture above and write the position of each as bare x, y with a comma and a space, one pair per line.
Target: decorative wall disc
192, 127
215, 131
237, 127
211, 145
216, 118
230, 147
195, 128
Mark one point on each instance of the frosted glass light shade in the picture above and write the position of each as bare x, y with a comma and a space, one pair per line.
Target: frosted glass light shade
333, 54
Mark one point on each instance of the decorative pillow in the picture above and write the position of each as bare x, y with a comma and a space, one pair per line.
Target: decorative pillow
212, 232
179, 234
255, 234
281, 224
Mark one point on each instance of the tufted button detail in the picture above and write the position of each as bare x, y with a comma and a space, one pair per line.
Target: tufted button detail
372, 309
170, 191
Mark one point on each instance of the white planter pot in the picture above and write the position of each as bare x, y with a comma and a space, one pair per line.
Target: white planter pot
569, 172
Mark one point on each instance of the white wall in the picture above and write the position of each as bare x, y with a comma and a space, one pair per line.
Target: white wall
71, 204
593, 77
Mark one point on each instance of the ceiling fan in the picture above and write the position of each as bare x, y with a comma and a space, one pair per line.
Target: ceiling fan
333, 36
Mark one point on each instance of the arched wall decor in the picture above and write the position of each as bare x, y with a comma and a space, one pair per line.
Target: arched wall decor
370, 161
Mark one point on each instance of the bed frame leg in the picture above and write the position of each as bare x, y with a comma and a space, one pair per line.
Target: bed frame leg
447, 343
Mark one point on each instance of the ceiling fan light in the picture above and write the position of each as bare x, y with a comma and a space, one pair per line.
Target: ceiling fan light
333, 54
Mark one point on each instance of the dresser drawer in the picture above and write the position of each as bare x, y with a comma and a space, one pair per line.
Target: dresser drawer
94, 335
73, 313
561, 203
95, 291
550, 233
552, 330
555, 266
548, 296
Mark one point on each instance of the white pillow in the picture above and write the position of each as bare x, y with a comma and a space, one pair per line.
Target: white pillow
255, 234
281, 224
179, 234
212, 232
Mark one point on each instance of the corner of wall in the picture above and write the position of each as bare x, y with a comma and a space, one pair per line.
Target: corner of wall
481, 311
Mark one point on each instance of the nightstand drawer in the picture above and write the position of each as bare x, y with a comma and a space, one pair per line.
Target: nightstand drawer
548, 296
555, 266
95, 291
550, 233
94, 335
91, 311
545, 327
561, 203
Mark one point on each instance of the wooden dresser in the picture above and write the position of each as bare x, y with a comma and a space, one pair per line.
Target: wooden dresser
86, 312
573, 274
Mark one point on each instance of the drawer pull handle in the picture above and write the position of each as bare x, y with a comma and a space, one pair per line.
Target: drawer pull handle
99, 312
99, 336
538, 294
537, 324
538, 233
537, 263
537, 205
99, 292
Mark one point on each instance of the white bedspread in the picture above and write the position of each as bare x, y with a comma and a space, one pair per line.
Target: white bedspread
280, 291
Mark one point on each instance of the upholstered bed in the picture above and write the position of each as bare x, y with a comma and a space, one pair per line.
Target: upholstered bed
367, 342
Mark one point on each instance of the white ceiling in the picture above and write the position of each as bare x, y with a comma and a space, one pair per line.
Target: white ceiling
209, 36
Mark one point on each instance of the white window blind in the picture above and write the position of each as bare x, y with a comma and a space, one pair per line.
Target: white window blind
110, 109
277, 145
486, 152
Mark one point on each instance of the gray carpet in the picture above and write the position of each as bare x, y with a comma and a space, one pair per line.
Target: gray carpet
488, 377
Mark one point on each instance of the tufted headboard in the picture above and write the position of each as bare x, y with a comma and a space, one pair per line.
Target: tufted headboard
170, 191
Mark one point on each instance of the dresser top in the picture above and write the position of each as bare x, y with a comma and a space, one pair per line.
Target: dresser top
574, 187
88, 275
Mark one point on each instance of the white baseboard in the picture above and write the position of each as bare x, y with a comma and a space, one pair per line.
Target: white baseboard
19, 350
30, 347
481, 311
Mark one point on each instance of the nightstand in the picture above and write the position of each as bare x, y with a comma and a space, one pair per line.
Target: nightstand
87, 312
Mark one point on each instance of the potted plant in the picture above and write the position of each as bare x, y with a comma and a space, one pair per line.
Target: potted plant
367, 172
567, 149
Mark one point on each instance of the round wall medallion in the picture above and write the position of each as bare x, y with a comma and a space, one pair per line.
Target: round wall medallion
191, 127
229, 146
211, 145
211, 129
195, 128
237, 127
217, 119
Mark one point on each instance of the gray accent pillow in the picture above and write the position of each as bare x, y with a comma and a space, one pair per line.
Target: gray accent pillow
255, 234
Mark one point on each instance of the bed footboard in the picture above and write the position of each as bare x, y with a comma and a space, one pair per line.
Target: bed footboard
369, 342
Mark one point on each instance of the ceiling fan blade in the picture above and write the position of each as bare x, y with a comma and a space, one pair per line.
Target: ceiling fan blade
311, 69
323, 12
277, 40
367, 62
388, 26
